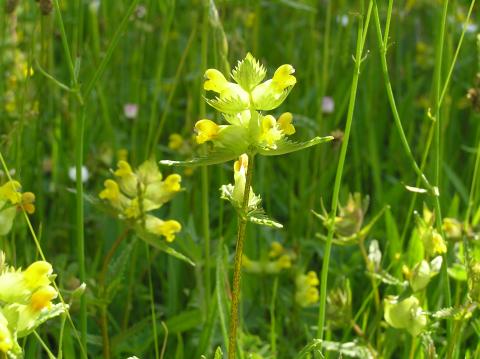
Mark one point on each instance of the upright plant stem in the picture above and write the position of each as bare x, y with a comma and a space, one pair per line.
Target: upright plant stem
382, 43
80, 236
79, 138
338, 177
438, 156
237, 271
204, 169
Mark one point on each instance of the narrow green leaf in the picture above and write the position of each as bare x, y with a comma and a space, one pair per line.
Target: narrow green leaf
285, 146
214, 157
160, 244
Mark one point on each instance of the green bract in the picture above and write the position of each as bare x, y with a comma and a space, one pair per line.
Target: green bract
248, 130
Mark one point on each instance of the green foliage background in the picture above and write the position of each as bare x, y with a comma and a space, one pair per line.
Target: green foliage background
158, 64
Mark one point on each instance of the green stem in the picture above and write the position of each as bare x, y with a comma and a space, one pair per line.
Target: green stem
152, 303
398, 123
79, 228
237, 271
338, 177
438, 157
273, 329
204, 169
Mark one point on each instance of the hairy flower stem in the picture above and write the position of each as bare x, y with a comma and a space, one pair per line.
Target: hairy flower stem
237, 271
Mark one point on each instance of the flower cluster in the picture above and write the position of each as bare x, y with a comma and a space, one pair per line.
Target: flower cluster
307, 291
279, 259
25, 303
11, 201
133, 194
242, 104
405, 314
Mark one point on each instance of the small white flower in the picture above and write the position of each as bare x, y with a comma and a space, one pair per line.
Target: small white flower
140, 11
471, 28
342, 20
328, 105
72, 174
130, 110
94, 6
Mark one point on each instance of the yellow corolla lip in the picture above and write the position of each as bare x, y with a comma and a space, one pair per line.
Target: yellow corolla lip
215, 81
111, 191
124, 169
283, 77
42, 298
207, 130
285, 123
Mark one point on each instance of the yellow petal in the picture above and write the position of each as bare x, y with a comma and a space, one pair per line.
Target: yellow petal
312, 278
215, 81
175, 141
270, 132
27, 202
42, 298
283, 78
168, 229
172, 183
206, 130
124, 169
36, 275
111, 191
285, 123
276, 249
11, 191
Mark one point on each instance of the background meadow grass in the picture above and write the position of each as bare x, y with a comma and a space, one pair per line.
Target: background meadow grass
153, 54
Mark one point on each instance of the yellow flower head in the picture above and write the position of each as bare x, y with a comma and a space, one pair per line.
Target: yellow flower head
28, 198
175, 141
172, 183
11, 191
124, 169
285, 123
453, 228
283, 77
215, 81
133, 210
111, 191
276, 249
122, 154
6, 342
207, 130
270, 132
312, 295
42, 298
284, 261
168, 229
438, 244
37, 274
312, 278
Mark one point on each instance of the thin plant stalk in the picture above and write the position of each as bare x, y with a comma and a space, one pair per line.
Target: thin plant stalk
204, 169
361, 35
152, 303
396, 116
237, 271
433, 190
438, 157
